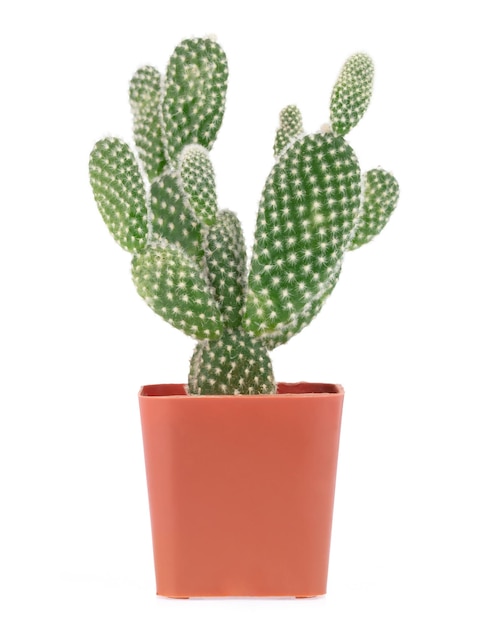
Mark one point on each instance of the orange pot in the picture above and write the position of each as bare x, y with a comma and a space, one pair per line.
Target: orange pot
241, 489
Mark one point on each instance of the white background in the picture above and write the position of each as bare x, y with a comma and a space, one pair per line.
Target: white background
404, 332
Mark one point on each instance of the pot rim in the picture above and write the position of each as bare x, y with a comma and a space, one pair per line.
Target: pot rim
302, 388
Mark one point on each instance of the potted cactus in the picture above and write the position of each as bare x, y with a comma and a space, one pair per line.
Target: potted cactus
240, 469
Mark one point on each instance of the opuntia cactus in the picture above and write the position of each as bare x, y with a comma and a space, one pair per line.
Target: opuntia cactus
189, 260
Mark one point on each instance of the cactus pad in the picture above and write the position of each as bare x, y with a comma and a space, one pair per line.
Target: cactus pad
351, 93
308, 213
119, 192
198, 182
381, 192
194, 96
291, 127
145, 100
173, 286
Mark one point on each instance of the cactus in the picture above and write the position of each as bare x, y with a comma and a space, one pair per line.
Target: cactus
189, 255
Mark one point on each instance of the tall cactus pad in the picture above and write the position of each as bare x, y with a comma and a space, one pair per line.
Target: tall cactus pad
381, 192
307, 216
145, 99
194, 97
291, 127
173, 286
237, 363
351, 93
119, 192
225, 257
198, 182
172, 218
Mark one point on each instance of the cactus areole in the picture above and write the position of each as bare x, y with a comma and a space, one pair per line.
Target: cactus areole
189, 255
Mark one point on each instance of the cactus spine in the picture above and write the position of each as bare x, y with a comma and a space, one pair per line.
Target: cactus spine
189, 260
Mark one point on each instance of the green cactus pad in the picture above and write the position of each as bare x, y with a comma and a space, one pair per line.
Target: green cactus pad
171, 217
194, 95
291, 127
145, 99
352, 93
235, 364
119, 192
198, 182
381, 192
307, 216
225, 257
174, 287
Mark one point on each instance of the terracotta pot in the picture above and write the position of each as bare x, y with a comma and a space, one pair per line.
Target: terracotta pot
241, 489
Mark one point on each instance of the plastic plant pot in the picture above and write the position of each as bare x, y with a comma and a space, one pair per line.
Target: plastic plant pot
241, 489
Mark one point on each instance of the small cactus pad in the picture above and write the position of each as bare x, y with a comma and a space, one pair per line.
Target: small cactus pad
145, 99
172, 218
119, 192
225, 257
307, 215
174, 287
291, 127
352, 93
198, 182
235, 364
381, 192
194, 95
